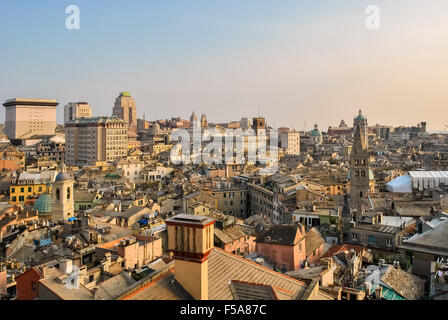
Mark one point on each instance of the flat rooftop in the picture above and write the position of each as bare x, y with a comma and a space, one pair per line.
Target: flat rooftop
190, 219
30, 102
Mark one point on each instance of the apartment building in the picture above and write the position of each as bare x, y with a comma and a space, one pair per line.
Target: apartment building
30, 184
232, 200
290, 142
93, 140
75, 110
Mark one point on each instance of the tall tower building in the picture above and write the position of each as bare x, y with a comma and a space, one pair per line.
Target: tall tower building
76, 110
245, 123
204, 122
361, 121
193, 119
190, 238
258, 124
62, 192
316, 135
25, 118
360, 174
126, 109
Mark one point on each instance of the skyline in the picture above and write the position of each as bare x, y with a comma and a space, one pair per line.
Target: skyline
299, 62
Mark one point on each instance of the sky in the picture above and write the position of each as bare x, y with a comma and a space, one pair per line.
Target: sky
295, 62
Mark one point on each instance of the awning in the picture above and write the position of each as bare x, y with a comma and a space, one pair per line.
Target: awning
401, 184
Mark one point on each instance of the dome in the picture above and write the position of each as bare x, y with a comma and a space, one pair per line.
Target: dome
360, 116
371, 176
63, 176
44, 204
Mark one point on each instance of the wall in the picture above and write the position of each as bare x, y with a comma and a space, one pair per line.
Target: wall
140, 253
25, 288
288, 257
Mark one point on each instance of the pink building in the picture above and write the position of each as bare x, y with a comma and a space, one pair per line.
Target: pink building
289, 248
283, 246
234, 240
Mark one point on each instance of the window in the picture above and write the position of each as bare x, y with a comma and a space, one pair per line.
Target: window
21, 198
354, 236
13, 190
22, 189
33, 285
58, 194
14, 199
388, 241
91, 277
68, 193
29, 189
371, 239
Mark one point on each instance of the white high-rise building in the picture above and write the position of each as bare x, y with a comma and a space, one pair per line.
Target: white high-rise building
76, 110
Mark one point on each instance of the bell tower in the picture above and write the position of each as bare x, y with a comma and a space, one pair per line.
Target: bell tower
190, 238
359, 170
62, 194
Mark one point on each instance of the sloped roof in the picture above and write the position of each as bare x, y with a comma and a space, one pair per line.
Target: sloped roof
313, 240
242, 290
435, 239
224, 267
281, 234
407, 285
106, 290
229, 234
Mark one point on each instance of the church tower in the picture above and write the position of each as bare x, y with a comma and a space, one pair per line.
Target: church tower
193, 119
361, 121
204, 122
359, 170
62, 193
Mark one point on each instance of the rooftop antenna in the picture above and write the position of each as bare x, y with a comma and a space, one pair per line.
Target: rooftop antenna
258, 111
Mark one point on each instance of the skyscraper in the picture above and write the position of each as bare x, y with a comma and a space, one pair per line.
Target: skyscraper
126, 109
75, 110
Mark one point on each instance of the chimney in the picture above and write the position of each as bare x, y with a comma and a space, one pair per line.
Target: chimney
420, 227
66, 266
190, 238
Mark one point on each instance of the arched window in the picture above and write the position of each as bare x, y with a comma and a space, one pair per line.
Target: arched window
58, 194
68, 193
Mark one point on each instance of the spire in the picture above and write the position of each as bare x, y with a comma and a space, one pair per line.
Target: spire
360, 142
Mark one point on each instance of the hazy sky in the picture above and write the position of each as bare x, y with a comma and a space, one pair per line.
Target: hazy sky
298, 61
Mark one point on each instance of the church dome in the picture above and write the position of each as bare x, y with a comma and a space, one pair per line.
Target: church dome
44, 204
63, 176
360, 116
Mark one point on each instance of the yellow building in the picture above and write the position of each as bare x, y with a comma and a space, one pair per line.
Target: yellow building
30, 184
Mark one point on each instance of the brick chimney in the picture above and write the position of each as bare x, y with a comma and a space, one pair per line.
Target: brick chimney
190, 238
